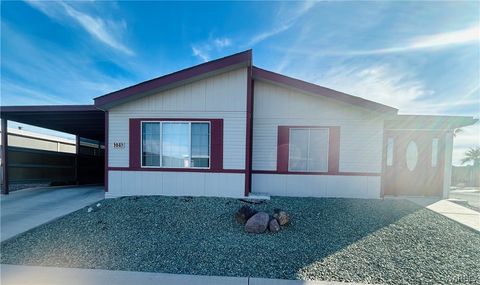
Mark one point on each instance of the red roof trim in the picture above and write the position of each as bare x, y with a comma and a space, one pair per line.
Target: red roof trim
259, 73
49, 108
185, 74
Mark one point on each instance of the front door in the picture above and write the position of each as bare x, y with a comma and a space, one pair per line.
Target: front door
413, 163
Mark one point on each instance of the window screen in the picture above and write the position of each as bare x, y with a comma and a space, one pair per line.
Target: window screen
176, 144
308, 149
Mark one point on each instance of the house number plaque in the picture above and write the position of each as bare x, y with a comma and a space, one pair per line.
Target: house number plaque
118, 145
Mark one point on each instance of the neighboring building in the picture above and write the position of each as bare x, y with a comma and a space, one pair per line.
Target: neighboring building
227, 128
39, 159
34, 140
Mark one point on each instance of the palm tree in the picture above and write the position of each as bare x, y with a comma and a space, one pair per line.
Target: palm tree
456, 132
473, 154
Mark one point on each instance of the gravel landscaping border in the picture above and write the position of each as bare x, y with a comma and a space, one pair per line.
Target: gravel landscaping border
370, 241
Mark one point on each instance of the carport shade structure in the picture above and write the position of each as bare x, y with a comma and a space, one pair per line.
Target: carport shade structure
84, 121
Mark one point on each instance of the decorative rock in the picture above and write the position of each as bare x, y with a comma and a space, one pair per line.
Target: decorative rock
98, 205
281, 216
273, 226
258, 223
90, 209
244, 213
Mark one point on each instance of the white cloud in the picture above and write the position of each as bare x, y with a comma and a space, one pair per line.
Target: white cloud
285, 20
103, 30
222, 42
203, 50
380, 83
24, 95
468, 35
49, 72
200, 53
267, 34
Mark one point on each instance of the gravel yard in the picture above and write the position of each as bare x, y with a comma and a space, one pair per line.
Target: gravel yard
372, 241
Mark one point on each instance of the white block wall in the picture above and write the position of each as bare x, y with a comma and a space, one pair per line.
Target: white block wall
128, 183
222, 96
361, 142
317, 185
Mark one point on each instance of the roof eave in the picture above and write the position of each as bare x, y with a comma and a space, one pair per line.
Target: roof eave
438, 122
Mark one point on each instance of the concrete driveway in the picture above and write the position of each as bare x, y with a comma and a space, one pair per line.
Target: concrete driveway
23, 210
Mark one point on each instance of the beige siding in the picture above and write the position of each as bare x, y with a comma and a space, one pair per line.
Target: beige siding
221, 96
361, 131
127, 183
317, 185
361, 136
26, 139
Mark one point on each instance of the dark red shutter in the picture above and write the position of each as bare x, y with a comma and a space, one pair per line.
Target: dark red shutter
282, 148
134, 143
216, 156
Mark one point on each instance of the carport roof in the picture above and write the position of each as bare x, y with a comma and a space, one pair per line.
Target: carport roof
83, 120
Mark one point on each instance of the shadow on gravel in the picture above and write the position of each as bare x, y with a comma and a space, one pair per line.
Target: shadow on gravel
375, 241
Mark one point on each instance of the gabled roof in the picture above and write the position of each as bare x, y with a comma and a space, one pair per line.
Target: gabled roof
276, 78
242, 59
174, 79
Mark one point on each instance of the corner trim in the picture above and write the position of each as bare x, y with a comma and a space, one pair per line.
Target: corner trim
249, 133
106, 147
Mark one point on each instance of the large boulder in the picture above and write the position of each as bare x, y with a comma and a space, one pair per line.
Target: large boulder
281, 216
273, 225
258, 223
243, 214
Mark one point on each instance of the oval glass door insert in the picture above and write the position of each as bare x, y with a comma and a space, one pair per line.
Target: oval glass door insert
412, 155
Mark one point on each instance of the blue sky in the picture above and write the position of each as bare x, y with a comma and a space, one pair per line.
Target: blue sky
421, 57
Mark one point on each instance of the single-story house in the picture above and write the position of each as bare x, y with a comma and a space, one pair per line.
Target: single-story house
228, 128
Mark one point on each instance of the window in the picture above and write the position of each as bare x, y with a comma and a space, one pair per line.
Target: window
176, 144
434, 152
151, 144
308, 149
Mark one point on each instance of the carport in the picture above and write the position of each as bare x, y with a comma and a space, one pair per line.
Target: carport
83, 121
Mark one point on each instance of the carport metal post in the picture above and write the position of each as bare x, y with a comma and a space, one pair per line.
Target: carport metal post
77, 151
4, 156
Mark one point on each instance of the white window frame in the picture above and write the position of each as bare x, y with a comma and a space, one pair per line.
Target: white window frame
189, 142
308, 148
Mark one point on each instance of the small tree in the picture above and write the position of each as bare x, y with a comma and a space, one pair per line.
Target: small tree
472, 155
456, 132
